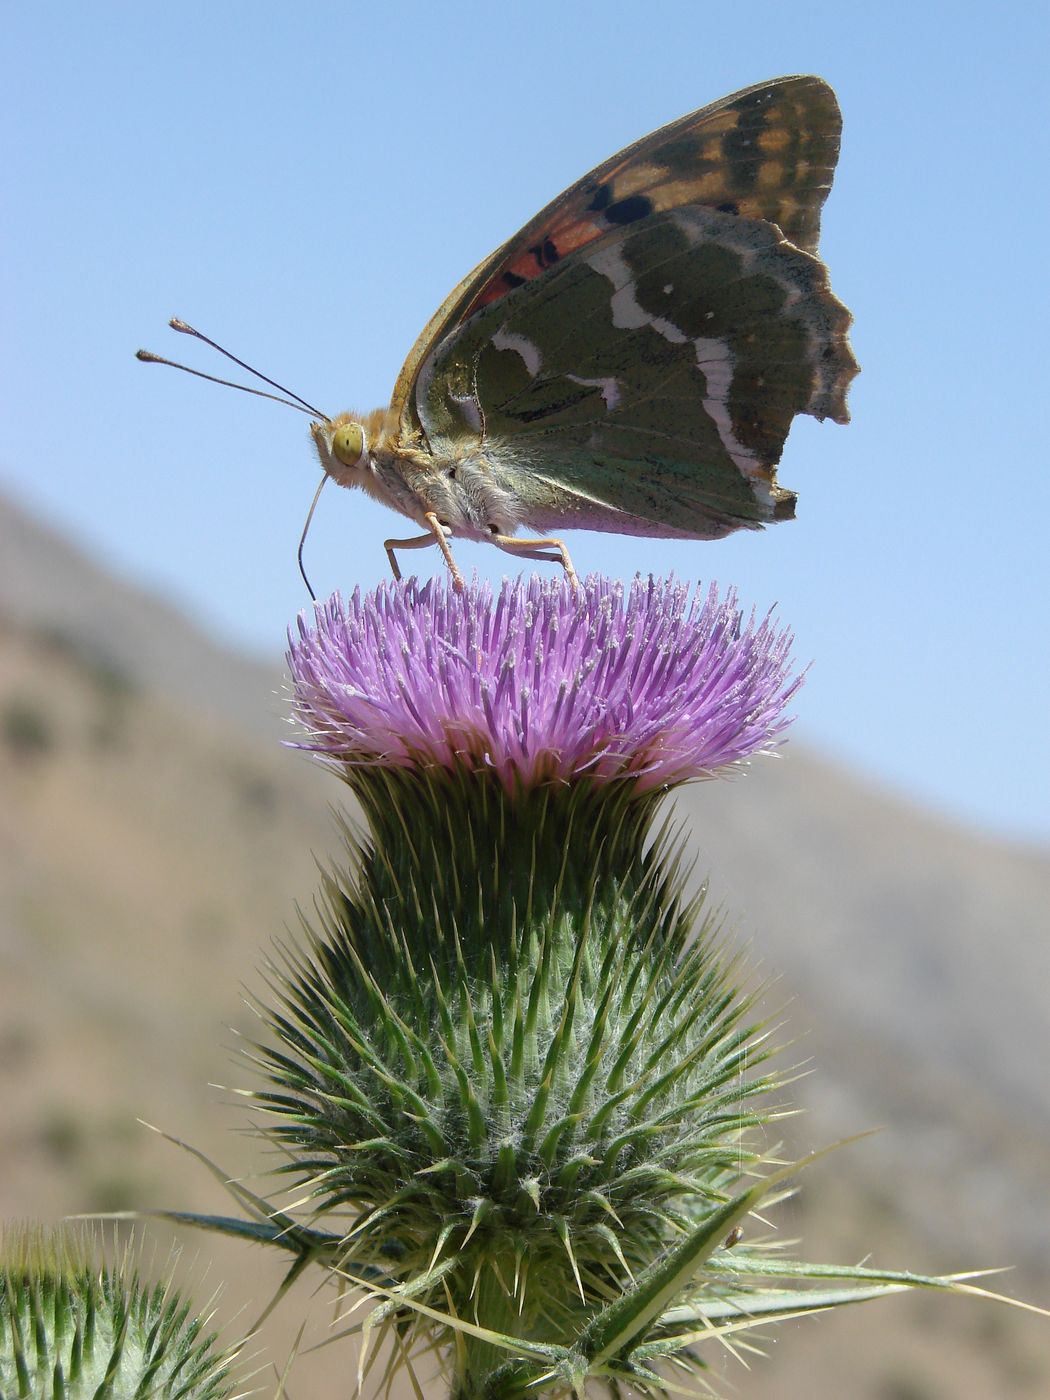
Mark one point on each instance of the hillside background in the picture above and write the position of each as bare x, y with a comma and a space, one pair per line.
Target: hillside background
155, 839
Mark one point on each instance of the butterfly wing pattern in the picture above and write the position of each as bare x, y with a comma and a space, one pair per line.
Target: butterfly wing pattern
632, 360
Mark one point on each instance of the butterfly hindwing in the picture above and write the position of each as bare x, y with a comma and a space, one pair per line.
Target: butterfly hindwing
646, 382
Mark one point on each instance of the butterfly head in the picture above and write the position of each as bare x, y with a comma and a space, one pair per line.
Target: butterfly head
342, 445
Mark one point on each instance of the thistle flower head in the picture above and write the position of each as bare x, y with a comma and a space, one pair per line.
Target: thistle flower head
536, 682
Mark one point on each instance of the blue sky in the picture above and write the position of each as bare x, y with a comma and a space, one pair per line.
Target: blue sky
306, 182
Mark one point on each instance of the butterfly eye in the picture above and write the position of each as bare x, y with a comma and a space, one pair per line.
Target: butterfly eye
348, 444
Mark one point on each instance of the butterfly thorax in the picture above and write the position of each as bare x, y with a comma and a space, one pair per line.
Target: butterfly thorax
457, 483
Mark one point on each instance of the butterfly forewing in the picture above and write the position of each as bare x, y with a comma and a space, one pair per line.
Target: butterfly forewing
767, 152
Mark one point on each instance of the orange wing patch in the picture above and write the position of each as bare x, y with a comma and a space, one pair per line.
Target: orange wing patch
768, 152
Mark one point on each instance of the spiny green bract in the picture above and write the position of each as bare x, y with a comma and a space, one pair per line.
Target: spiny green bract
511, 1064
74, 1329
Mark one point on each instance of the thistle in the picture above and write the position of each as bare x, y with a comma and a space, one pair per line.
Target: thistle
511, 1070
519, 1096
72, 1329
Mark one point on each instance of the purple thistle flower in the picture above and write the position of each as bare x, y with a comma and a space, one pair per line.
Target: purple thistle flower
537, 683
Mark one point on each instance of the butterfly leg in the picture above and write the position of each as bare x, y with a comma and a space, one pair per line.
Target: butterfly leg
547, 551
441, 534
416, 542
436, 536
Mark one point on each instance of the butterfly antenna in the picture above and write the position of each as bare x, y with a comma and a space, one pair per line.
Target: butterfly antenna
185, 329
302, 537
148, 358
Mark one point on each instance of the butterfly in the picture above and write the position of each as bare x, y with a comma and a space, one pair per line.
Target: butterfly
632, 359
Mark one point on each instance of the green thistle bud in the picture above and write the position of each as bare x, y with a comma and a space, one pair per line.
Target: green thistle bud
72, 1329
